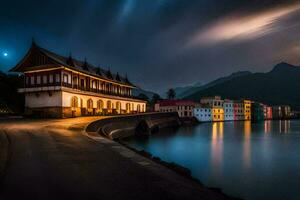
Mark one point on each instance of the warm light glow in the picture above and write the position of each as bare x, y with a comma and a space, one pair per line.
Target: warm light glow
241, 27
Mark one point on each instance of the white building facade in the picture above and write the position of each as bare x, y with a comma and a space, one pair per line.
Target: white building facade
228, 106
203, 114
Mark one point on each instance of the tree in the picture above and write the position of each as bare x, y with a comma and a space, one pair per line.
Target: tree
171, 94
155, 99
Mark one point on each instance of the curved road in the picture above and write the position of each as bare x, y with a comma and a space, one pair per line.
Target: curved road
53, 159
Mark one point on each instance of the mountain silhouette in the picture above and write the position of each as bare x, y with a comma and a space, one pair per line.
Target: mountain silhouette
280, 86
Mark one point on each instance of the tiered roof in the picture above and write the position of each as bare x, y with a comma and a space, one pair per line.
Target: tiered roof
48, 59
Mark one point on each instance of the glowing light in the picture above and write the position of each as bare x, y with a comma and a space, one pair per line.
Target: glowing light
5, 54
241, 27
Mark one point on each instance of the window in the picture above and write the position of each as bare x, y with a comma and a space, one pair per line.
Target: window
74, 102
27, 80
57, 78
45, 79
90, 104
65, 78
51, 78
38, 79
99, 104
32, 80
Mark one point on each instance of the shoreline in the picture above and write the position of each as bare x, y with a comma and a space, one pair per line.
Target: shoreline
174, 167
181, 170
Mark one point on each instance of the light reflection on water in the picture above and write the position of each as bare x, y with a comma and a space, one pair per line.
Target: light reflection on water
247, 160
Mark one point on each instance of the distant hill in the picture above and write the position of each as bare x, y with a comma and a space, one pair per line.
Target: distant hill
279, 86
181, 91
194, 89
136, 92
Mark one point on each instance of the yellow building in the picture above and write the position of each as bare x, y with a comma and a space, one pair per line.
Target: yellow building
217, 114
247, 109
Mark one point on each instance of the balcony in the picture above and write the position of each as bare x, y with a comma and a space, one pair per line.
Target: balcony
57, 85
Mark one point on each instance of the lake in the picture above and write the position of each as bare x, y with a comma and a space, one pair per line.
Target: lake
244, 159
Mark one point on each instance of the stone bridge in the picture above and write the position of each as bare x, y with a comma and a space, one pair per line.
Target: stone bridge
140, 124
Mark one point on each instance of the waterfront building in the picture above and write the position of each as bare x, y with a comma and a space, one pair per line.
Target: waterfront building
268, 112
247, 109
203, 113
216, 105
286, 111
238, 110
257, 111
184, 108
281, 112
215, 101
57, 86
276, 111
228, 107
217, 114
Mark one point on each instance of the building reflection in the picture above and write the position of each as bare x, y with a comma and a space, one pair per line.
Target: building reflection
267, 126
247, 144
217, 147
284, 126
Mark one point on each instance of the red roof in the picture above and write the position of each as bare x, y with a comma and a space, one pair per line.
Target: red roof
176, 103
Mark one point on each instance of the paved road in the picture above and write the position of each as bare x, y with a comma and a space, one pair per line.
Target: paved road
53, 159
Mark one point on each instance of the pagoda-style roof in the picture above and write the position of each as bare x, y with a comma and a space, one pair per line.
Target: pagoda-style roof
38, 58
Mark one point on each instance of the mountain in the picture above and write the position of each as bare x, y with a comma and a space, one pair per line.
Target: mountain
180, 91
279, 86
191, 90
137, 91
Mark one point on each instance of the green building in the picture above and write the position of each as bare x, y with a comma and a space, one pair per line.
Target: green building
257, 111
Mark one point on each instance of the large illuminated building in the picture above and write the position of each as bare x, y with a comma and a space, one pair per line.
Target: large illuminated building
57, 86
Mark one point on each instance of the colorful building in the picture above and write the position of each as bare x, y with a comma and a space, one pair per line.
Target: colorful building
184, 108
257, 111
247, 109
281, 112
215, 101
228, 107
57, 86
203, 114
217, 114
238, 110
268, 112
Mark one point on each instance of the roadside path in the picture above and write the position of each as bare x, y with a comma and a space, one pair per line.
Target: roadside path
53, 159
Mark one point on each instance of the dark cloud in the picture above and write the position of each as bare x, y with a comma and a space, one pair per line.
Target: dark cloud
148, 39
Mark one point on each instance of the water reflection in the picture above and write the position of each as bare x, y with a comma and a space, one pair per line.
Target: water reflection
284, 126
267, 126
254, 161
247, 144
217, 147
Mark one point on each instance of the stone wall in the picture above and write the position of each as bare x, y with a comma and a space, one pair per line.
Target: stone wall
141, 124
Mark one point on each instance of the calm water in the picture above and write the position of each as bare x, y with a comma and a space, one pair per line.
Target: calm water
251, 161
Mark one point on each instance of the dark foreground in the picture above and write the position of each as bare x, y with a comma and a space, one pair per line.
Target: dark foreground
53, 159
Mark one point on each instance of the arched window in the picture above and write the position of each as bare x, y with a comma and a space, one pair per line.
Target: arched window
90, 104
108, 105
118, 106
74, 102
94, 84
127, 107
100, 105
138, 108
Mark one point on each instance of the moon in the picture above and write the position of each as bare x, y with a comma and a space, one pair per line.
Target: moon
5, 54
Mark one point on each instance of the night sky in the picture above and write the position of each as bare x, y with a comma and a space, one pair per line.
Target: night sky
158, 43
